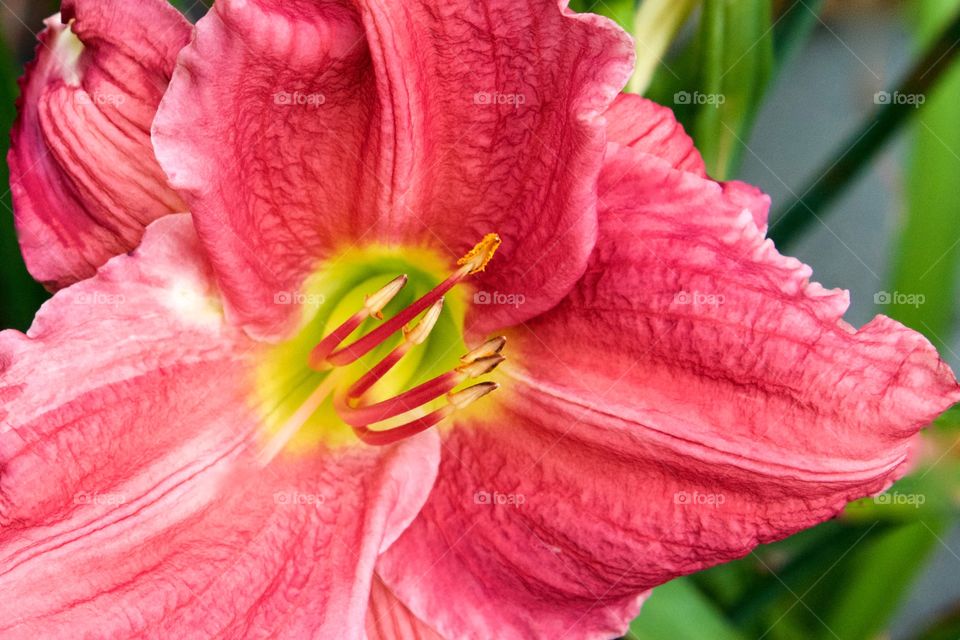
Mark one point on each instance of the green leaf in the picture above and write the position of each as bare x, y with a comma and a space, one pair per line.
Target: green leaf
924, 286
748, 66
875, 576
946, 628
844, 579
793, 573
192, 9
654, 28
856, 153
620, 11
717, 83
679, 611
793, 28
20, 295
925, 277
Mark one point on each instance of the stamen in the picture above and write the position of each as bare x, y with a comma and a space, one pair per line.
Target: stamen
419, 333
369, 342
491, 347
480, 366
350, 406
411, 338
389, 436
373, 306
474, 261
463, 399
455, 402
418, 396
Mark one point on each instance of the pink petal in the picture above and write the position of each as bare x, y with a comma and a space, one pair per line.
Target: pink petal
527, 172
389, 619
644, 125
131, 504
294, 134
652, 431
83, 175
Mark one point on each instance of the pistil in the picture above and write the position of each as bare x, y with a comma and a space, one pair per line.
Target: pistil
300, 417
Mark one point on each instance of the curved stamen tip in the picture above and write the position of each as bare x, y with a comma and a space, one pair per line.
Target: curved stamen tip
491, 347
464, 398
377, 301
422, 330
481, 366
478, 257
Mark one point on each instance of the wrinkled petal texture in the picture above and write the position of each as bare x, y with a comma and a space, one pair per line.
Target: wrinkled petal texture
84, 179
295, 130
130, 504
695, 395
638, 123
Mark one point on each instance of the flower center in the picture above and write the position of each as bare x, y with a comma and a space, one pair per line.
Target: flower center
326, 384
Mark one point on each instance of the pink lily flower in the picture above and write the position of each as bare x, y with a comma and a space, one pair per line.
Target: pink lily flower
216, 435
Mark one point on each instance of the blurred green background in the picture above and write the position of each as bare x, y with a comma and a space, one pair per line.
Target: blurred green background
815, 102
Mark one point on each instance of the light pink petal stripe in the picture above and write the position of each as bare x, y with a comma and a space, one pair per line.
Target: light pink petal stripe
132, 504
